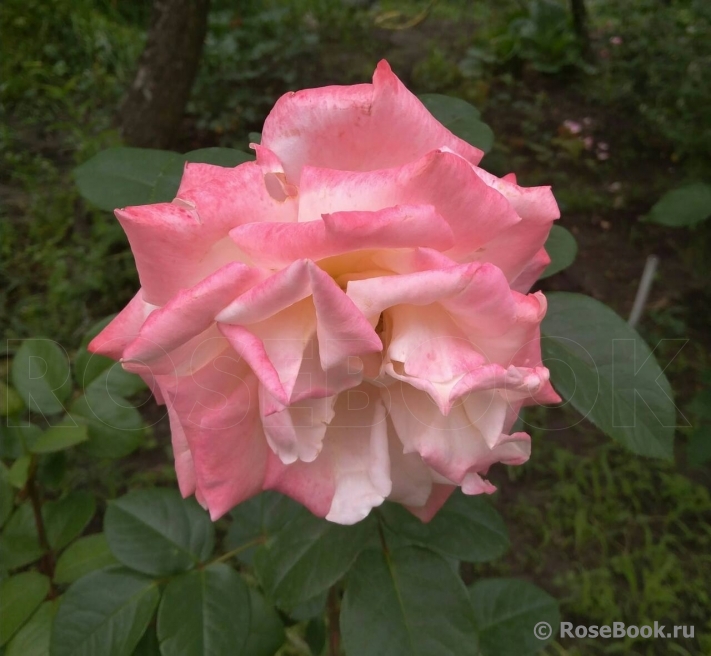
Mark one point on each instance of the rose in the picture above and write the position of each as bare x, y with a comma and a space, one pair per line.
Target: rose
344, 320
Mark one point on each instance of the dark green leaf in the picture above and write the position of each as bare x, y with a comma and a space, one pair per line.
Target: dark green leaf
40, 374
257, 519
105, 612
19, 472
92, 370
410, 603
86, 555
562, 249
117, 382
33, 638
315, 635
266, 632
466, 528
20, 595
119, 177
606, 371
19, 544
685, 206
64, 435
66, 518
310, 608
114, 425
15, 440
156, 532
10, 401
51, 469
206, 611
698, 452
7, 496
460, 118
309, 556
148, 644
507, 611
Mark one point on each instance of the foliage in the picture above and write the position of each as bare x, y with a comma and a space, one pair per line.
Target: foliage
655, 69
383, 563
100, 592
63, 68
611, 535
539, 34
685, 206
258, 52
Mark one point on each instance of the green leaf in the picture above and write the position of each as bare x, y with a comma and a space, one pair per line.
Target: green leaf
10, 401
157, 532
19, 544
119, 177
7, 495
315, 635
65, 435
309, 556
105, 612
19, 472
92, 370
20, 595
15, 440
148, 644
114, 425
562, 249
266, 631
460, 118
409, 603
40, 374
259, 518
117, 382
606, 371
66, 518
33, 638
206, 611
681, 207
51, 469
306, 610
698, 451
507, 611
466, 528
85, 555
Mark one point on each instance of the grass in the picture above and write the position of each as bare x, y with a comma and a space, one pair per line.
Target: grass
617, 538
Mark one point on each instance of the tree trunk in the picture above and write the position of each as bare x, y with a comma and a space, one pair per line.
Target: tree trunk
580, 24
151, 112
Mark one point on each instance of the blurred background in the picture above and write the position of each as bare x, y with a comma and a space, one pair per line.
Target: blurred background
607, 101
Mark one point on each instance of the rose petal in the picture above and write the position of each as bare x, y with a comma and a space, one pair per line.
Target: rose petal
123, 329
357, 128
475, 212
451, 445
278, 244
517, 251
190, 312
352, 473
342, 330
217, 408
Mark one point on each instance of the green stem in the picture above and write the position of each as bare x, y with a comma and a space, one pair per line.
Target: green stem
47, 562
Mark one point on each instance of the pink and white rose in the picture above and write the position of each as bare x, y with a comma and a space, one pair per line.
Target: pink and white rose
346, 319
